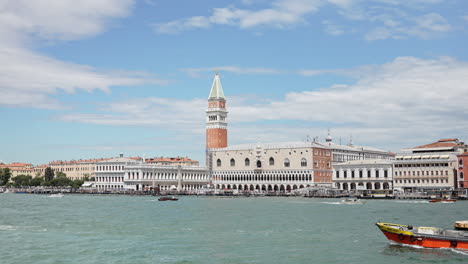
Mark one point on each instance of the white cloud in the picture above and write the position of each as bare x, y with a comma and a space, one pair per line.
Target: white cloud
282, 13
332, 28
61, 19
387, 19
28, 78
425, 26
401, 102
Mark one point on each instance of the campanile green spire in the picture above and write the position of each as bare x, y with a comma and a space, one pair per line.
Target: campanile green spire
216, 89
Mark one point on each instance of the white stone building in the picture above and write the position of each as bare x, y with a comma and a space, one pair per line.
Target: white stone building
109, 174
349, 152
428, 167
141, 177
363, 176
282, 167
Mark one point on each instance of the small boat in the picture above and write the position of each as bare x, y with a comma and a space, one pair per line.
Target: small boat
167, 198
443, 200
461, 225
352, 200
56, 195
429, 237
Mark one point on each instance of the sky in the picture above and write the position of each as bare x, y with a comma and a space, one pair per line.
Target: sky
95, 78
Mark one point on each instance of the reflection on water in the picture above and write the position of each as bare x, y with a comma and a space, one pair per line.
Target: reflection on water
417, 253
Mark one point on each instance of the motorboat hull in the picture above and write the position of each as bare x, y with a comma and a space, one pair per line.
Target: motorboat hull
401, 234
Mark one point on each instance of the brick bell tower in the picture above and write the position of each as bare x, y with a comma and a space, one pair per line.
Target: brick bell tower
216, 120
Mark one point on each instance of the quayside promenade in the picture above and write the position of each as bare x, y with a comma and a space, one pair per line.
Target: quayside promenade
306, 192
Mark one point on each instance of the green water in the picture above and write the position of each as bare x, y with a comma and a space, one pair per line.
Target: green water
139, 229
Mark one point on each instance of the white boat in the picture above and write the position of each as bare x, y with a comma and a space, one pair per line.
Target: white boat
352, 200
56, 195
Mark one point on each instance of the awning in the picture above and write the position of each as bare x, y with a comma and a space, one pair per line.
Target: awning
444, 156
435, 156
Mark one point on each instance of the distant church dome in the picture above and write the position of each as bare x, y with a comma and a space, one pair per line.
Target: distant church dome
329, 138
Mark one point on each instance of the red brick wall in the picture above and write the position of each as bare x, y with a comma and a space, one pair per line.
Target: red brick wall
322, 165
216, 138
462, 168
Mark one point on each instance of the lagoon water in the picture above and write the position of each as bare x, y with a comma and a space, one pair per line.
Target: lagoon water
140, 229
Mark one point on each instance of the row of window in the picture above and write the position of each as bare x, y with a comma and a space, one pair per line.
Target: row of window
362, 174
418, 173
110, 168
271, 162
418, 165
352, 186
423, 181
261, 177
109, 179
165, 176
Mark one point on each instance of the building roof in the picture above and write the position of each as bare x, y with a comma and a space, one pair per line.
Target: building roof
361, 162
64, 162
167, 159
277, 145
16, 164
464, 154
216, 89
120, 159
357, 148
443, 143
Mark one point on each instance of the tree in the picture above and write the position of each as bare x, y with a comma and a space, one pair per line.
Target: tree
22, 180
37, 181
86, 177
48, 174
60, 174
77, 184
5, 175
60, 180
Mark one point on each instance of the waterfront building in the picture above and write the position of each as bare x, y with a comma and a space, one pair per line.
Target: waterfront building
177, 161
350, 152
119, 174
260, 167
429, 167
18, 168
142, 176
462, 181
39, 170
282, 167
76, 169
109, 174
363, 176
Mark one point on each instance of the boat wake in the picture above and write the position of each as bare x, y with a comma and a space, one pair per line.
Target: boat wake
406, 245
7, 228
413, 202
331, 202
459, 251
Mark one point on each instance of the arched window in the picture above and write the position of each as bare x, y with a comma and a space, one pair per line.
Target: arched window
233, 163
286, 163
218, 163
272, 161
303, 162
247, 162
461, 175
259, 164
